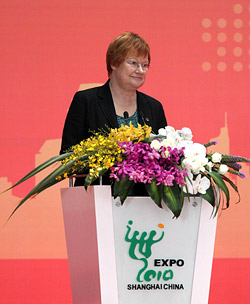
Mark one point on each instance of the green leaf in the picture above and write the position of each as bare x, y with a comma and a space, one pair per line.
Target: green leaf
173, 197
221, 184
28, 196
89, 180
122, 188
209, 196
46, 182
232, 184
40, 168
155, 192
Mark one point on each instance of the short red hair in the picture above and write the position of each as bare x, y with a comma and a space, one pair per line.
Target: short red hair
123, 46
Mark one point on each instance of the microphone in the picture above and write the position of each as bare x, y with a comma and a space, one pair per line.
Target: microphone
125, 115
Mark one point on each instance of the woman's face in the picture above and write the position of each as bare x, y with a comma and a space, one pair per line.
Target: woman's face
131, 73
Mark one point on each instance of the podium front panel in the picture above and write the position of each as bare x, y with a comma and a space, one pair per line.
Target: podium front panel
156, 254
137, 253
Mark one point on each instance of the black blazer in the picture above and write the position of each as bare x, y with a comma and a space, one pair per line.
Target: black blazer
93, 109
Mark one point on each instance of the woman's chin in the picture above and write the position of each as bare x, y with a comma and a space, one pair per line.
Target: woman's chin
137, 83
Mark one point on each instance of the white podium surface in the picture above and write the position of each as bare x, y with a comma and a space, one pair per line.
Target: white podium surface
178, 268
142, 253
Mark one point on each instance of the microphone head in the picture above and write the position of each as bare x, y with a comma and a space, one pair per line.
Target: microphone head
125, 115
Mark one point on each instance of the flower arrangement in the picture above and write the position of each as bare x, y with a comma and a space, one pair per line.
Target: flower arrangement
169, 164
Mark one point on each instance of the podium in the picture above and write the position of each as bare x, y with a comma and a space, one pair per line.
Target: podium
136, 252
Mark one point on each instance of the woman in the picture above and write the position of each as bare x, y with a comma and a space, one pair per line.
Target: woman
117, 101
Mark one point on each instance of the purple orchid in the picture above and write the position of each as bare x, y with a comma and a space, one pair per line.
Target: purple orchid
143, 163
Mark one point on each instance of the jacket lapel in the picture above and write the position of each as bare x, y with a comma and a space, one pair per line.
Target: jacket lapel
106, 104
144, 112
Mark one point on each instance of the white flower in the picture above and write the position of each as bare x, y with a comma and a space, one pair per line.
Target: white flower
195, 158
209, 166
175, 137
199, 149
169, 142
165, 154
155, 144
185, 143
196, 165
199, 185
185, 133
216, 157
162, 131
179, 138
223, 169
170, 129
165, 131
195, 150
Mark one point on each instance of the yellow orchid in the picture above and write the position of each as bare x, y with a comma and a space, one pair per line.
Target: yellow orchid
102, 150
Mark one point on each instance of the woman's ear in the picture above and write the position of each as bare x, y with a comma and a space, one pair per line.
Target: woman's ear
113, 67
